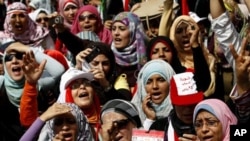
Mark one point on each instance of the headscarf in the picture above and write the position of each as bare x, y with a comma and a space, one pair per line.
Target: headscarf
178, 68
33, 15
61, 7
14, 89
103, 33
186, 59
84, 130
221, 111
156, 66
34, 35
135, 52
69, 76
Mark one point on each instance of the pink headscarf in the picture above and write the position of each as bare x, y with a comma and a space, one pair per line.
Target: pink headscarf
220, 110
103, 33
32, 36
61, 6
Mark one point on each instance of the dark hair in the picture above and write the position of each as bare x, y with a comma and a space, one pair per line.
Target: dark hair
178, 68
105, 49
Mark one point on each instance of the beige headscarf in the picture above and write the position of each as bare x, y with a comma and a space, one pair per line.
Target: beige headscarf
186, 59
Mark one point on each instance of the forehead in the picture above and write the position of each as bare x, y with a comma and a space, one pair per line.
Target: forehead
203, 114
112, 116
118, 23
66, 115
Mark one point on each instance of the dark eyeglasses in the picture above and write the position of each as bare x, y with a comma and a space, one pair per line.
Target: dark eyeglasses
44, 19
121, 123
9, 57
90, 17
76, 84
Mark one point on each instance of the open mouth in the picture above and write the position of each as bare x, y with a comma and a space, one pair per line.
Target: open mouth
68, 136
207, 138
83, 95
155, 96
19, 27
88, 27
16, 70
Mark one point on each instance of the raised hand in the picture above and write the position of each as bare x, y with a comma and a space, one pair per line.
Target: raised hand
242, 66
32, 70
55, 110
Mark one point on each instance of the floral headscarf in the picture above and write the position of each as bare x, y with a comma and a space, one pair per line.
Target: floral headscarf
32, 36
103, 33
156, 66
84, 129
135, 52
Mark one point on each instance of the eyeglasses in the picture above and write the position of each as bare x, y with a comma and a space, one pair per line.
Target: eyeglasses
44, 19
9, 57
60, 121
76, 84
90, 17
208, 123
121, 123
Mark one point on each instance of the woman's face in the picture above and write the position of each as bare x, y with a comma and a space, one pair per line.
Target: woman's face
88, 21
185, 113
13, 62
182, 37
66, 126
101, 62
121, 35
122, 132
208, 127
161, 51
42, 20
158, 88
69, 12
82, 93
19, 22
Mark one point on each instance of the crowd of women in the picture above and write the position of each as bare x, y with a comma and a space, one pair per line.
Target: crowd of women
77, 70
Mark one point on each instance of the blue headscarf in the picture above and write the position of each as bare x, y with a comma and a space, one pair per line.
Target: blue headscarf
156, 66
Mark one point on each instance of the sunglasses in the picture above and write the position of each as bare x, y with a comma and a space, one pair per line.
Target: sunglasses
44, 19
121, 123
77, 84
90, 17
9, 57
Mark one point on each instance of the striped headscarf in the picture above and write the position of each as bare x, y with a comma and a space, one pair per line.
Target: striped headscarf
84, 129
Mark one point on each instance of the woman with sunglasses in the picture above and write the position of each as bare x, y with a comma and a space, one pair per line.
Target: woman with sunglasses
64, 121
40, 16
13, 81
118, 118
88, 19
19, 26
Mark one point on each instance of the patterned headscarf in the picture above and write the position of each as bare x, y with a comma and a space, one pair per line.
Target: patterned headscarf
135, 52
61, 7
156, 66
84, 129
103, 33
32, 36
221, 111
